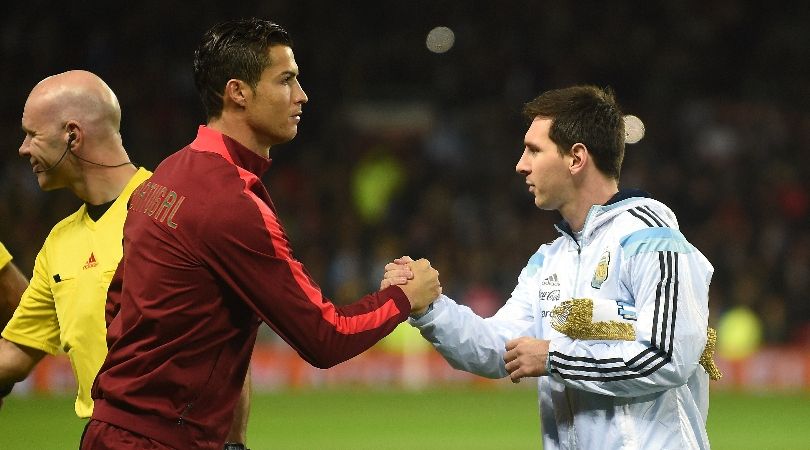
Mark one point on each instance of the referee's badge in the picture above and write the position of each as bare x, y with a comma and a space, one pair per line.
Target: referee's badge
601, 272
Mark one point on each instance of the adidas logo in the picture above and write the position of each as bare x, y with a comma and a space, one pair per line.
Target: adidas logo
91, 262
551, 281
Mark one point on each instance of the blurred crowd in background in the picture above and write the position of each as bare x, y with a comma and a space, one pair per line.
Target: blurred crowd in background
405, 151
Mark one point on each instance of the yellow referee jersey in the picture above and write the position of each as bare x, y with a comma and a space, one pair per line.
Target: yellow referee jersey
5, 256
63, 308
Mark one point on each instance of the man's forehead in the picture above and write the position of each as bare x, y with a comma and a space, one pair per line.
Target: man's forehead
32, 105
539, 127
282, 59
41, 108
36, 105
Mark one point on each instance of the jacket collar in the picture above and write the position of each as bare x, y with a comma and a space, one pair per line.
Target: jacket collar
598, 210
210, 140
624, 194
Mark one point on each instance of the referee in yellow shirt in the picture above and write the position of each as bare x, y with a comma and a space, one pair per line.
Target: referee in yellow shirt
71, 123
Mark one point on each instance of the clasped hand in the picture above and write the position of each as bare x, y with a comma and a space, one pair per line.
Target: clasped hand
417, 279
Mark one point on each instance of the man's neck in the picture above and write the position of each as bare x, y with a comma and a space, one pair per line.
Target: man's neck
576, 212
103, 184
237, 129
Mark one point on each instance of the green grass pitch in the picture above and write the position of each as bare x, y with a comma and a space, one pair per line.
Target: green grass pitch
475, 418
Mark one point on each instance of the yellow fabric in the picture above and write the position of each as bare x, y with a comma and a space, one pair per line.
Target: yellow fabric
68, 315
574, 318
707, 358
5, 256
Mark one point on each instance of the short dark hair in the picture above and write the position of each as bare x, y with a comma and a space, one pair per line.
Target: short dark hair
233, 49
585, 114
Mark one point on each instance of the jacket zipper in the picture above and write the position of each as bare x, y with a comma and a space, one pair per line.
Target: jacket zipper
574, 295
181, 419
576, 277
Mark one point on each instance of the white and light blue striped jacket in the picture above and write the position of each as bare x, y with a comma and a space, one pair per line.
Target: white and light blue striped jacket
642, 394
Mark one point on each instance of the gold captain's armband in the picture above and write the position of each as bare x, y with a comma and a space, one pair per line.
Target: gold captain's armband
611, 320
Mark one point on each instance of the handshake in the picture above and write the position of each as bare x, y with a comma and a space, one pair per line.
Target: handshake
417, 279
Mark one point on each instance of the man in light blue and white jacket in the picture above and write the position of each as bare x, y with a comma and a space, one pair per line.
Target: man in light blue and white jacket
624, 372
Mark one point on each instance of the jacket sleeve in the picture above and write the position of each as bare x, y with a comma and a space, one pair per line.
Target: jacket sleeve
475, 344
668, 280
113, 303
249, 251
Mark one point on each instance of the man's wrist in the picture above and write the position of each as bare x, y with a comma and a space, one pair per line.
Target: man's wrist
419, 315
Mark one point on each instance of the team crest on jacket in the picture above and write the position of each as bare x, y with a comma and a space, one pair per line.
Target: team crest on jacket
601, 272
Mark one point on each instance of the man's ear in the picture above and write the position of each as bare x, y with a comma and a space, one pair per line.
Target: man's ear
236, 92
579, 158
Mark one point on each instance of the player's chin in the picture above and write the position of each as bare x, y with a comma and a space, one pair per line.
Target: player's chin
544, 204
45, 184
285, 136
291, 131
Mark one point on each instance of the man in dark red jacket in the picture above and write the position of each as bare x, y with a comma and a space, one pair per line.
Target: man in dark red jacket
206, 260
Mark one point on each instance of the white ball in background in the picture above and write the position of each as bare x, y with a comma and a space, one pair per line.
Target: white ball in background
440, 39
633, 129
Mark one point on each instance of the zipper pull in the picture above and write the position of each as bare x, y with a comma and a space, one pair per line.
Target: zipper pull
180, 419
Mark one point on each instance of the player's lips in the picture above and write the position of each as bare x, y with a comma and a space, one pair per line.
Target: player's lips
297, 116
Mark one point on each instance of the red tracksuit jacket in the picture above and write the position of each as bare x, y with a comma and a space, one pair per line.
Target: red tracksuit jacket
205, 261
